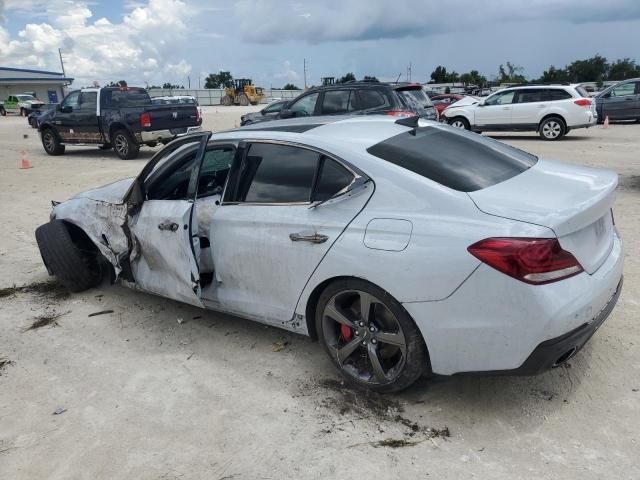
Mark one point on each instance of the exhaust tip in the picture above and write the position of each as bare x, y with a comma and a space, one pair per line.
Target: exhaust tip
565, 357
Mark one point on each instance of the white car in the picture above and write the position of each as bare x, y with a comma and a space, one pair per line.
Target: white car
550, 110
404, 246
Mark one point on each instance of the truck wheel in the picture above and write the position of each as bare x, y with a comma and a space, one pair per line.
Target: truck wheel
124, 145
243, 100
51, 142
69, 255
23, 112
3, 112
227, 101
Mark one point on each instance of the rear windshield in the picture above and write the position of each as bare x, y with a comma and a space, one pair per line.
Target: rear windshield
130, 97
582, 91
460, 160
416, 99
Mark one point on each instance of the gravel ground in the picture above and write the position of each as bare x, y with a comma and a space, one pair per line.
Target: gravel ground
161, 390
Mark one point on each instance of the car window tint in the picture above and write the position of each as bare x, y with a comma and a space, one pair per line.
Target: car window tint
214, 170
457, 159
624, 90
174, 184
553, 94
126, 97
530, 95
72, 100
502, 98
88, 100
337, 101
276, 107
333, 179
305, 106
372, 98
277, 174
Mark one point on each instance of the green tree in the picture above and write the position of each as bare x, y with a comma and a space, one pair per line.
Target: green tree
588, 70
623, 69
511, 73
290, 86
368, 78
553, 74
218, 80
349, 77
439, 75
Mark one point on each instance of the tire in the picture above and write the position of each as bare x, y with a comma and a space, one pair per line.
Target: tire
124, 145
3, 112
72, 258
387, 333
23, 112
227, 101
460, 122
552, 128
51, 142
243, 100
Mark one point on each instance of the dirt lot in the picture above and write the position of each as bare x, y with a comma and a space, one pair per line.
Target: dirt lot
160, 390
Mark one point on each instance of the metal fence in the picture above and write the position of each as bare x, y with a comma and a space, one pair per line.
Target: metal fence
212, 96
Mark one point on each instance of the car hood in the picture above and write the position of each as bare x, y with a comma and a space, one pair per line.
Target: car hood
110, 193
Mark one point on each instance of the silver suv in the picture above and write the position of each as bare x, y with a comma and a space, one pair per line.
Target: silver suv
550, 110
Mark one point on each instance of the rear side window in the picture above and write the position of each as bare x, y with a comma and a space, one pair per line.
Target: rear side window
462, 161
372, 98
530, 95
338, 101
129, 97
333, 179
553, 94
274, 173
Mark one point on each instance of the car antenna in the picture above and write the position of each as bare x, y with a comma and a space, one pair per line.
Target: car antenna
398, 77
409, 122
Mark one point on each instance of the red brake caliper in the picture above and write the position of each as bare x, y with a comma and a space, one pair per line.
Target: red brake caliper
346, 332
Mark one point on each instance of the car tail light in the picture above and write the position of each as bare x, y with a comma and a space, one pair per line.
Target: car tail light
198, 115
583, 102
145, 120
531, 260
401, 113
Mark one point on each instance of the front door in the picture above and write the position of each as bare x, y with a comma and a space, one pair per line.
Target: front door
64, 118
164, 226
86, 127
284, 206
496, 110
621, 104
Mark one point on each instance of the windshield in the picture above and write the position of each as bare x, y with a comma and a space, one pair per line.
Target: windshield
460, 160
415, 99
25, 98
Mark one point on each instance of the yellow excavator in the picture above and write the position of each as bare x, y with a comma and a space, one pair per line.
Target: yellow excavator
242, 92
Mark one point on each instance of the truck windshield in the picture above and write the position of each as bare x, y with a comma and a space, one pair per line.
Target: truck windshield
130, 97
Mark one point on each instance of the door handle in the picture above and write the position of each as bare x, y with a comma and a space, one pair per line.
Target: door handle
312, 238
506, 108
628, 99
172, 226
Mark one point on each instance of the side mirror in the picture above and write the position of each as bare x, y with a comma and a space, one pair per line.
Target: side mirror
58, 107
285, 113
67, 109
481, 103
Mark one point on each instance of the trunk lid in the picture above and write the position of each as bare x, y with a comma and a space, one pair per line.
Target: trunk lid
574, 201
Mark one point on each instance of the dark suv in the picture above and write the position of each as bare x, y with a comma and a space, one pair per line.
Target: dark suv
364, 98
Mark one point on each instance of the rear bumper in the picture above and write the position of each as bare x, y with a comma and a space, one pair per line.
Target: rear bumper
494, 323
155, 136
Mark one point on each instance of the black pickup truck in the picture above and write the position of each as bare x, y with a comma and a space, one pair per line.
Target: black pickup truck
122, 118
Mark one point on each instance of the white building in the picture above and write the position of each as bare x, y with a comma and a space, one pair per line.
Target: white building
48, 86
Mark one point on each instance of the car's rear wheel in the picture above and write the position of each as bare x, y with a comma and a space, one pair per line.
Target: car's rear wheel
369, 336
552, 128
51, 142
460, 122
124, 145
69, 255
3, 112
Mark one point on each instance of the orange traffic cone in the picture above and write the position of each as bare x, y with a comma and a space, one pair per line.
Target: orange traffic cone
606, 122
24, 163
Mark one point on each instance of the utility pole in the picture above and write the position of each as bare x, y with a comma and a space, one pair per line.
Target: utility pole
409, 72
189, 82
305, 72
61, 62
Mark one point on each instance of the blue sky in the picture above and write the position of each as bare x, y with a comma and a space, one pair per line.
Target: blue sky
170, 40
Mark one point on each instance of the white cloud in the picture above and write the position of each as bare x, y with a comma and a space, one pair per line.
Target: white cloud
144, 46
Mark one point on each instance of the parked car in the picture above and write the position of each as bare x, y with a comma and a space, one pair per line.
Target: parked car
23, 104
37, 116
443, 101
620, 101
363, 98
552, 111
178, 99
269, 112
405, 247
122, 118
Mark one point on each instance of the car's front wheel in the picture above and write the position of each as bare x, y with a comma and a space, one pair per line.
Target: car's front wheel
369, 336
124, 145
552, 128
460, 122
51, 142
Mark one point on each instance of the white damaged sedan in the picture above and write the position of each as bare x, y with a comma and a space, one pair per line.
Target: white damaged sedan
405, 247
